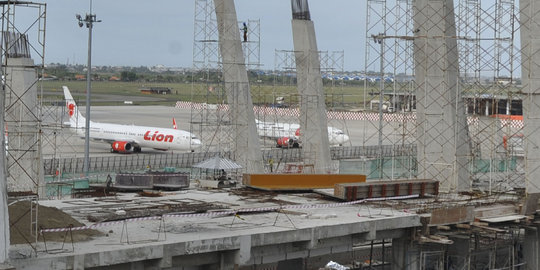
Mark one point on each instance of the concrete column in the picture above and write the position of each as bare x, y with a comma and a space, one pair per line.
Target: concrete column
458, 253
405, 254
4, 217
228, 260
531, 249
24, 162
247, 145
530, 66
443, 140
313, 120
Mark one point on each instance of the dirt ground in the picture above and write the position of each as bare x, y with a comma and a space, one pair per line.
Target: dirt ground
48, 217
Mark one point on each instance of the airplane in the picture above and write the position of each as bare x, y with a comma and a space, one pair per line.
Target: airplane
130, 138
288, 135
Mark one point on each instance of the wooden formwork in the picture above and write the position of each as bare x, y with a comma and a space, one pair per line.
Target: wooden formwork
377, 189
290, 181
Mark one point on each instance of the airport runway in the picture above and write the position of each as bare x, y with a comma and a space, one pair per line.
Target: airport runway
64, 143
67, 144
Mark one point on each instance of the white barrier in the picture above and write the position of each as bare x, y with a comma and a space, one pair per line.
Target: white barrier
367, 116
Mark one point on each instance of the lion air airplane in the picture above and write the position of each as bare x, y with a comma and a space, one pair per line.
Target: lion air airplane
130, 138
288, 135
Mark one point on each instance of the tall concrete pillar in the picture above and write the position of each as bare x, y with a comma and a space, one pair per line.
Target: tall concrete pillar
530, 66
443, 140
313, 121
4, 217
247, 145
24, 161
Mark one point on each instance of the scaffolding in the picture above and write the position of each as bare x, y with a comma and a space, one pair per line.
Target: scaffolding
22, 59
284, 84
211, 117
487, 84
388, 84
480, 249
284, 100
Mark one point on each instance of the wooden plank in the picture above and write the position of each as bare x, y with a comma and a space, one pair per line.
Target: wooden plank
383, 189
445, 216
301, 181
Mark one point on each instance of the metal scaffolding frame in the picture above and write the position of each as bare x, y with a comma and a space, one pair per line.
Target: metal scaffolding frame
22, 64
483, 249
212, 120
332, 68
489, 70
387, 77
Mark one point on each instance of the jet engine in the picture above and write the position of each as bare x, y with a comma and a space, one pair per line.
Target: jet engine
287, 142
122, 147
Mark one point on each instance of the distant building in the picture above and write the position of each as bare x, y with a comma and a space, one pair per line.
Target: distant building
114, 78
80, 77
156, 90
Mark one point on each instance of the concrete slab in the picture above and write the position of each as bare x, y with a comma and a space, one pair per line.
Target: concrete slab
291, 235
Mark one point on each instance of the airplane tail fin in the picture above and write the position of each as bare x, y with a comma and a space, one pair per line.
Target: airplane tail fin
76, 119
174, 123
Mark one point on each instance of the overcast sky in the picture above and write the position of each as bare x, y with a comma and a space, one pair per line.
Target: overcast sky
136, 32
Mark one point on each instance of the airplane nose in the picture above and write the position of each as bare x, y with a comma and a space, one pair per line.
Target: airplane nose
196, 143
345, 138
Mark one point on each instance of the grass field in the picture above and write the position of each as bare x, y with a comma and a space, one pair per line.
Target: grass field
346, 96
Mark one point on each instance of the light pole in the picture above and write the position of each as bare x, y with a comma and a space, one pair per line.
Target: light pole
89, 21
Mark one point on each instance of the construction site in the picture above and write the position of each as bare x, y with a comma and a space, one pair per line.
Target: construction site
441, 171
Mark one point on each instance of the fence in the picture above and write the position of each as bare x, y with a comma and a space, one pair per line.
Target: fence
186, 160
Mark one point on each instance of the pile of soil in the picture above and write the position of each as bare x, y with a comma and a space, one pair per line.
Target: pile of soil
48, 217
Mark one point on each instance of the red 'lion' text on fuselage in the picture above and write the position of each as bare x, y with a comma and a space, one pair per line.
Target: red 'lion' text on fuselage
158, 137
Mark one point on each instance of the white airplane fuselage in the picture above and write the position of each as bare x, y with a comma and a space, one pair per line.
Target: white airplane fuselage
280, 130
141, 136
130, 138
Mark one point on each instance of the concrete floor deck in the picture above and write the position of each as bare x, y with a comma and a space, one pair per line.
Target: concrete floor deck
306, 226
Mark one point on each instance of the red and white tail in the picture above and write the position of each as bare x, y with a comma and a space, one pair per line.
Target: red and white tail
174, 123
76, 120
